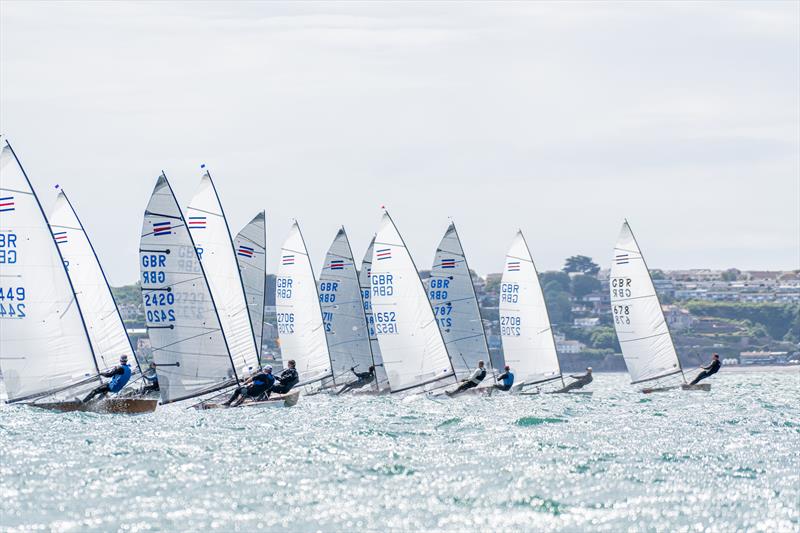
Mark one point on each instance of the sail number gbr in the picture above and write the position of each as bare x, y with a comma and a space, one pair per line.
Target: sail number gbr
621, 287
283, 288
510, 326
12, 302
622, 314
285, 322
509, 293
158, 305
8, 248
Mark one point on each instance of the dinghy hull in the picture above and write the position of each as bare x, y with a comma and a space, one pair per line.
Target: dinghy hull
279, 400
126, 406
705, 387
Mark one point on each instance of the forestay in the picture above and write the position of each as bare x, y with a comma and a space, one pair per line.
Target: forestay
528, 343
251, 254
641, 328
299, 317
188, 344
455, 306
44, 346
363, 280
413, 350
209, 228
343, 311
100, 313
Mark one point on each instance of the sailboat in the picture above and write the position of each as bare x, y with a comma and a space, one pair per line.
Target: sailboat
211, 235
189, 345
299, 316
46, 354
414, 353
455, 306
643, 333
343, 313
251, 254
364, 282
528, 342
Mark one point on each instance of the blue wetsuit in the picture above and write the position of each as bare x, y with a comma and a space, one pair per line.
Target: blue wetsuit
120, 375
507, 378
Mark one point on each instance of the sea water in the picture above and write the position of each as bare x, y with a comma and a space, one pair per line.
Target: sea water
728, 460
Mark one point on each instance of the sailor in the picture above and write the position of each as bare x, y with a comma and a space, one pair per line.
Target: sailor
472, 381
362, 378
287, 379
709, 370
580, 381
258, 385
119, 375
507, 379
151, 377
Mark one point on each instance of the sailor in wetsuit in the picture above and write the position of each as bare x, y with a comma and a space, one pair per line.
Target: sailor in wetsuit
256, 386
363, 378
287, 379
472, 381
151, 377
119, 378
709, 370
507, 379
580, 381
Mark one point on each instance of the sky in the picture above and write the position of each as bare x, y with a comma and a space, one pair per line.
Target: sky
560, 119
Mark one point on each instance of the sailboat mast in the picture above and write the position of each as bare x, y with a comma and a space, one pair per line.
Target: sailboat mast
61, 257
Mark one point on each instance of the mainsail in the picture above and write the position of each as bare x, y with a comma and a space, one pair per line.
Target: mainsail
528, 342
455, 306
413, 350
189, 347
44, 346
299, 316
100, 313
343, 311
641, 328
211, 235
251, 253
363, 281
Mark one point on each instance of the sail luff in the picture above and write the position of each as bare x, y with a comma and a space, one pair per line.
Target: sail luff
67, 354
364, 283
107, 295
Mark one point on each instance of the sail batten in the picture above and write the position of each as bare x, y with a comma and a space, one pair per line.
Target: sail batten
189, 345
411, 343
525, 328
299, 316
44, 344
642, 330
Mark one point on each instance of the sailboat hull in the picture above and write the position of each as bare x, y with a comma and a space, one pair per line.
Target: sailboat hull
125, 406
280, 400
705, 387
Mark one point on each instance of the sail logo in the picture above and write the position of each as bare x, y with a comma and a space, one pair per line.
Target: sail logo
621, 259
245, 251
7, 204
288, 259
197, 222
386, 253
60, 236
448, 263
513, 266
162, 228
337, 264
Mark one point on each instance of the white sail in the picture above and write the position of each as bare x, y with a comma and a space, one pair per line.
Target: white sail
206, 221
455, 306
103, 321
299, 316
525, 329
251, 253
189, 346
343, 311
414, 353
641, 328
43, 346
363, 280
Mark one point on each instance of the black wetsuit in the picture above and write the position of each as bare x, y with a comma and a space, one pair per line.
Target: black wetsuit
709, 370
364, 378
472, 381
152, 378
287, 379
579, 383
260, 384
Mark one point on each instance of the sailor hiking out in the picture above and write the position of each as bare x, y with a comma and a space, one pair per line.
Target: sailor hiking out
580, 381
287, 379
151, 377
472, 381
506, 379
257, 386
709, 370
120, 375
362, 379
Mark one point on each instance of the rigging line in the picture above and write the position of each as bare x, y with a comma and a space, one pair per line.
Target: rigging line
203, 211
187, 339
161, 215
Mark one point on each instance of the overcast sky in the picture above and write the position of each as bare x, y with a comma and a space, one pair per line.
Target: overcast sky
558, 118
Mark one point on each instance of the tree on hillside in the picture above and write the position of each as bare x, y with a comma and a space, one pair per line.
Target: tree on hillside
559, 278
581, 264
583, 285
559, 307
732, 274
657, 274
605, 338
